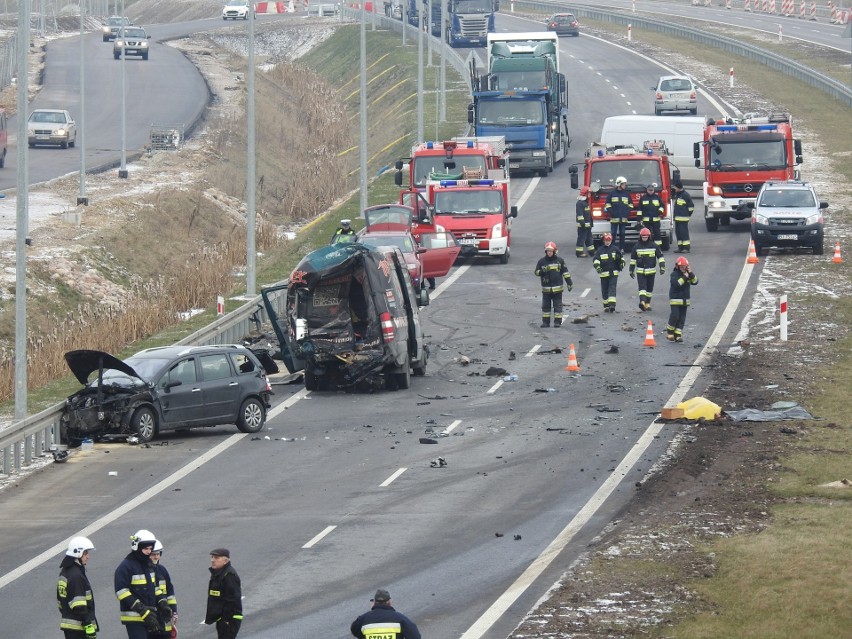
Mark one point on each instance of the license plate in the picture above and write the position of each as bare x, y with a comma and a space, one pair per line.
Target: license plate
788, 237
42, 137
514, 165
467, 241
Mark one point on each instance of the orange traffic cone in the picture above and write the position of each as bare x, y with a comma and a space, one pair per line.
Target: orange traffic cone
573, 366
752, 253
837, 259
649, 336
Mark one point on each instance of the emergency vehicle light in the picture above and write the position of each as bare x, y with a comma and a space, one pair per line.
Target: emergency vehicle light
470, 144
600, 153
467, 183
767, 127
430, 145
727, 127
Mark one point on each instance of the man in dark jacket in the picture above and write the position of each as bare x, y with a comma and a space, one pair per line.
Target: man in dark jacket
682, 281
382, 621
681, 211
135, 588
645, 258
165, 591
618, 207
74, 592
608, 262
585, 245
554, 277
651, 209
224, 595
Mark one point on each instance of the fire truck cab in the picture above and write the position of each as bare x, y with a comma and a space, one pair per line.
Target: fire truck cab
738, 157
641, 167
471, 156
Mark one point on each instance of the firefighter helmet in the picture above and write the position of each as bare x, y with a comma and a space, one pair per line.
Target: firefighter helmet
78, 545
681, 261
550, 246
158, 546
620, 180
607, 237
645, 233
142, 538
584, 190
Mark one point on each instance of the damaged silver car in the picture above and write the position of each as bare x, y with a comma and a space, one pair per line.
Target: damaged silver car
163, 389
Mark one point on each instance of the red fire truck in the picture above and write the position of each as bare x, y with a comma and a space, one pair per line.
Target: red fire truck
474, 157
739, 156
640, 167
477, 212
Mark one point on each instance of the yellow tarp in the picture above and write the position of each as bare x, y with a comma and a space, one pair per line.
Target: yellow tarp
699, 407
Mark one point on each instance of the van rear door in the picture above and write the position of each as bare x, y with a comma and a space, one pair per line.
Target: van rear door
441, 250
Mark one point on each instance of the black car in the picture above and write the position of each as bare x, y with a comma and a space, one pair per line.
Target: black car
564, 24
162, 389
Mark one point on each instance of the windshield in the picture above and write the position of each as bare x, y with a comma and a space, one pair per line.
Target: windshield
529, 80
738, 156
133, 33
639, 173
468, 202
473, 6
787, 198
52, 117
402, 242
117, 22
147, 367
511, 112
422, 167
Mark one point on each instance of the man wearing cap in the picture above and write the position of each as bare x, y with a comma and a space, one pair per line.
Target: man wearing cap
382, 621
224, 595
682, 210
344, 229
585, 245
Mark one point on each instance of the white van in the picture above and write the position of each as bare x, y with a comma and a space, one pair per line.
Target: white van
679, 134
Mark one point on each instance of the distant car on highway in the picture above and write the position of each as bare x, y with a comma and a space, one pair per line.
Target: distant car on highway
564, 24
51, 126
235, 10
133, 40
675, 93
112, 27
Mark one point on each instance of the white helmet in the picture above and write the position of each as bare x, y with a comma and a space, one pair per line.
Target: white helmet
620, 180
158, 546
79, 545
142, 537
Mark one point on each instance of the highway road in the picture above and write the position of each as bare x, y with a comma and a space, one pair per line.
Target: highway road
338, 496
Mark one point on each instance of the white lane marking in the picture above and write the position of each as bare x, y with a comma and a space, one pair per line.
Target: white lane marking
275, 411
449, 429
494, 388
533, 350
448, 282
585, 292
139, 500
390, 479
549, 554
528, 192
319, 537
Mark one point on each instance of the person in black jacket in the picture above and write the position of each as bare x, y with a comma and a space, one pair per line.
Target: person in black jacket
651, 210
74, 592
618, 207
165, 591
554, 277
383, 621
645, 258
224, 595
608, 262
585, 245
682, 281
135, 588
682, 210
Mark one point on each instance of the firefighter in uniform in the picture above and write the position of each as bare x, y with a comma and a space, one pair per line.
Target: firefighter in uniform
682, 211
608, 261
651, 209
344, 229
383, 622
679, 292
74, 592
645, 257
554, 278
135, 588
165, 591
224, 595
585, 246
618, 207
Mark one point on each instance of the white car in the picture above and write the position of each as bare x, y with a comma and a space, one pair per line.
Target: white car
51, 126
675, 93
235, 10
131, 41
113, 26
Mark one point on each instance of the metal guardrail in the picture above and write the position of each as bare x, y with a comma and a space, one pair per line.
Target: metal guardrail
33, 436
803, 73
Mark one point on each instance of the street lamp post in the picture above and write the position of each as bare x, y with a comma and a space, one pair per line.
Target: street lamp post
122, 171
81, 130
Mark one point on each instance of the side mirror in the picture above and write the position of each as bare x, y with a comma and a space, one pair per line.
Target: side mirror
398, 165
823, 205
696, 150
470, 118
513, 212
420, 250
676, 175
575, 182
397, 178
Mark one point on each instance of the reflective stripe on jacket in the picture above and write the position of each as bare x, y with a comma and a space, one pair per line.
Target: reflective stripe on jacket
618, 206
645, 257
651, 208
74, 596
679, 291
553, 273
584, 214
683, 207
135, 581
608, 260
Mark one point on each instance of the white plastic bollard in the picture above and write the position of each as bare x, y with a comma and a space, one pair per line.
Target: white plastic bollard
731, 81
220, 305
783, 309
634, 6
629, 32
780, 33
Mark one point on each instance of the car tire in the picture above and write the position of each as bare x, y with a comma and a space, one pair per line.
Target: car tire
818, 248
725, 220
403, 379
694, 111
252, 416
106, 39
73, 142
3, 159
144, 423
116, 55
504, 259
759, 250
311, 383
32, 145
712, 224
64, 145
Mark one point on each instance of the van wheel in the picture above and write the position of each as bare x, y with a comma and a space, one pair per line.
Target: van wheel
725, 220
310, 379
504, 259
403, 379
712, 224
252, 416
144, 423
818, 249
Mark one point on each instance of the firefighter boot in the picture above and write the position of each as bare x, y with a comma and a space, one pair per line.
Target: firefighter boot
545, 323
670, 335
557, 322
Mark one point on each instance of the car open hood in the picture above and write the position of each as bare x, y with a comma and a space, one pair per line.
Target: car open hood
85, 362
